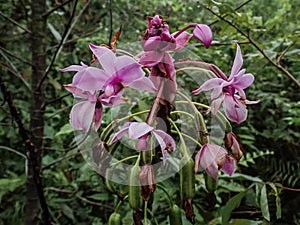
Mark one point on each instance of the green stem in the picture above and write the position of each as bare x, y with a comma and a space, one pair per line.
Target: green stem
166, 192
183, 147
200, 123
145, 210
189, 137
125, 159
183, 112
109, 127
119, 203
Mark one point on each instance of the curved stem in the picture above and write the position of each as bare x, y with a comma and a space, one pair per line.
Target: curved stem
192, 25
109, 127
166, 192
189, 137
182, 112
183, 147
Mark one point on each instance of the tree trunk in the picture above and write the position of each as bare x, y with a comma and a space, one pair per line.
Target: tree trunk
34, 194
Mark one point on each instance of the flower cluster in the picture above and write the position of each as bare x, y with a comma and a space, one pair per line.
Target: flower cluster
105, 86
97, 86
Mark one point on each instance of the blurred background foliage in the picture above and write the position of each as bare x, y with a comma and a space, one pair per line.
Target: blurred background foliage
271, 136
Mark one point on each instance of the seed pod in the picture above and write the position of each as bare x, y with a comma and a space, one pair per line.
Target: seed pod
134, 194
108, 183
187, 180
210, 183
114, 219
175, 215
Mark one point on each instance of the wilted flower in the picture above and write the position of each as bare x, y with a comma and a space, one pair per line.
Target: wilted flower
225, 90
141, 130
233, 146
148, 181
211, 158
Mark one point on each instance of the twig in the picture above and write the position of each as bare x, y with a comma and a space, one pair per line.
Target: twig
15, 71
92, 202
15, 22
55, 8
237, 8
14, 151
7, 52
65, 36
111, 23
59, 160
278, 66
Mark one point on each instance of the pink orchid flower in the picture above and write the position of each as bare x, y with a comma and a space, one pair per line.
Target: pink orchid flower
203, 33
211, 158
141, 130
225, 90
86, 112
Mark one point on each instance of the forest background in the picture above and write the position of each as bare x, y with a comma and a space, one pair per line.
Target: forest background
41, 169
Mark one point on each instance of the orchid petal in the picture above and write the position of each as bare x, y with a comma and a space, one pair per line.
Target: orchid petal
243, 81
153, 43
143, 84
228, 166
165, 141
150, 59
81, 115
215, 105
74, 68
203, 33
77, 92
120, 133
181, 40
214, 83
90, 79
237, 63
130, 73
106, 58
234, 109
97, 118
137, 130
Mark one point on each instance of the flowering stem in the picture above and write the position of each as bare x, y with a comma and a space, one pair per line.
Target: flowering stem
200, 123
119, 203
207, 72
182, 112
125, 159
192, 25
212, 67
189, 137
155, 106
195, 103
109, 127
166, 192
183, 147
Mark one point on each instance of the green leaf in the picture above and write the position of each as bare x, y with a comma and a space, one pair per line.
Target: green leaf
231, 205
264, 203
68, 212
55, 33
10, 184
278, 201
66, 129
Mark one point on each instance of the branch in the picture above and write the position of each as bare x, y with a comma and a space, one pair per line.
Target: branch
14, 151
237, 8
65, 36
55, 8
15, 22
15, 71
276, 65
